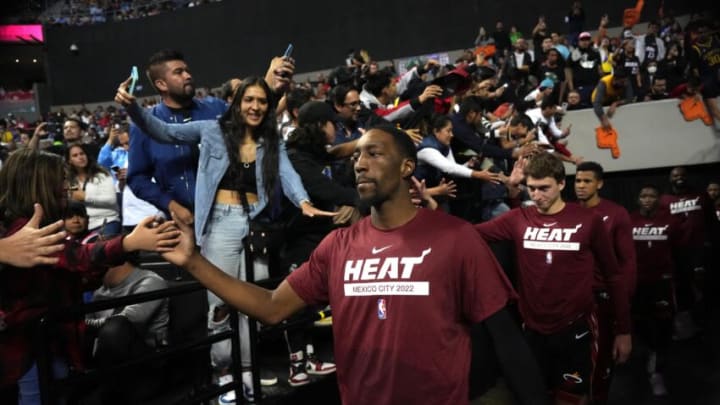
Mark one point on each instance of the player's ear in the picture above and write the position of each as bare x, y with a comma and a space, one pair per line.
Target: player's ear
407, 168
561, 184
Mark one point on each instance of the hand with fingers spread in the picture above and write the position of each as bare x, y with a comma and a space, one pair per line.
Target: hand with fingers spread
153, 236
122, 96
446, 187
414, 135
486, 175
518, 172
419, 194
32, 245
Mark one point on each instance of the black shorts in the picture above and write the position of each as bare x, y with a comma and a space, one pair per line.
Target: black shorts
567, 358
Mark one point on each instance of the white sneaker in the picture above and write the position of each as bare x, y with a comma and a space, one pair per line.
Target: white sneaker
248, 392
315, 366
297, 376
657, 383
227, 398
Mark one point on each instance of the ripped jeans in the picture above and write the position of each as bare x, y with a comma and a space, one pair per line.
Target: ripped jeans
223, 247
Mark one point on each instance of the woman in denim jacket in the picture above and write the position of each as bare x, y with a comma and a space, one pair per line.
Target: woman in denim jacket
240, 151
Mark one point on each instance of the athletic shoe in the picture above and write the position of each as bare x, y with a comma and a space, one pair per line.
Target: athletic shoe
226, 398
267, 379
297, 376
315, 366
248, 392
657, 383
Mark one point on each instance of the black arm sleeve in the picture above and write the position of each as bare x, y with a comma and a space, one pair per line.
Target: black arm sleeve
320, 188
598, 101
519, 366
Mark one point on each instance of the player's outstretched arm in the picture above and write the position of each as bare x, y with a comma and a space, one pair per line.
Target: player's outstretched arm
267, 306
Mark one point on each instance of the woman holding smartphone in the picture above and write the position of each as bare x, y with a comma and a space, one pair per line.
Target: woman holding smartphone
92, 185
241, 157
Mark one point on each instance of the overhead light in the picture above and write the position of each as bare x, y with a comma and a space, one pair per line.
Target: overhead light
34, 60
17, 60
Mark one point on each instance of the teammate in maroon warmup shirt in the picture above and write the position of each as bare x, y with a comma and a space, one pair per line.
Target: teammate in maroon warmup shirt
557, 246
695, 214
405, 284
588, 182
655, 232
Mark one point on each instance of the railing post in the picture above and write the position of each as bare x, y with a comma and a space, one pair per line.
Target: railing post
44, 362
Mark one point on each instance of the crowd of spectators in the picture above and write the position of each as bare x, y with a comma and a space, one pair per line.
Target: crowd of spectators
471, 121
85, 12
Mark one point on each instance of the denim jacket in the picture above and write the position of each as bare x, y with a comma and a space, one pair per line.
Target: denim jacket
214, 162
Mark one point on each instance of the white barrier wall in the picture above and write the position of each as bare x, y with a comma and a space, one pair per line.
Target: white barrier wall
650, 135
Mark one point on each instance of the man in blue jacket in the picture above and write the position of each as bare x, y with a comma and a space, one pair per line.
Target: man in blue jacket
172, 166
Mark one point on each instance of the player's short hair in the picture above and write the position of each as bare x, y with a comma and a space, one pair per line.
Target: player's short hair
545, 165
403, 142
591, 167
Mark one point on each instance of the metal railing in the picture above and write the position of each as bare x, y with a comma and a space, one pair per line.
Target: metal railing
50, 389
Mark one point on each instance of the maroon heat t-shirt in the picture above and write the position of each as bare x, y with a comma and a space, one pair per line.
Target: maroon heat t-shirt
617, 223
655, 237
693, 211
556, 257
403, 301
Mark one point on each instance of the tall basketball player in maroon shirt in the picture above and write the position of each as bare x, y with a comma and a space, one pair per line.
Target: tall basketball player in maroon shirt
588, 182
557, 247
404, 283
655, 233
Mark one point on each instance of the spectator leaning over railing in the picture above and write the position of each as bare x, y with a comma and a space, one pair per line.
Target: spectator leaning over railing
380, 91
436, 160
612, 90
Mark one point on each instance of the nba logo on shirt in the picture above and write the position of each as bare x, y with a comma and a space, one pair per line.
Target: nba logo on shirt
382, 309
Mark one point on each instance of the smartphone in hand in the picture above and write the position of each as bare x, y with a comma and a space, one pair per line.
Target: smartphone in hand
134, 78
288, 51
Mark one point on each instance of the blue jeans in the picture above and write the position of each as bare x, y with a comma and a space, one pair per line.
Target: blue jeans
29, 384
223, 246
492, 209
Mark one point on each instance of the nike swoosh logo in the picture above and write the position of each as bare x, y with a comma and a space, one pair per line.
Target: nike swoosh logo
605, 218
580, 336
550, 224
376, 251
